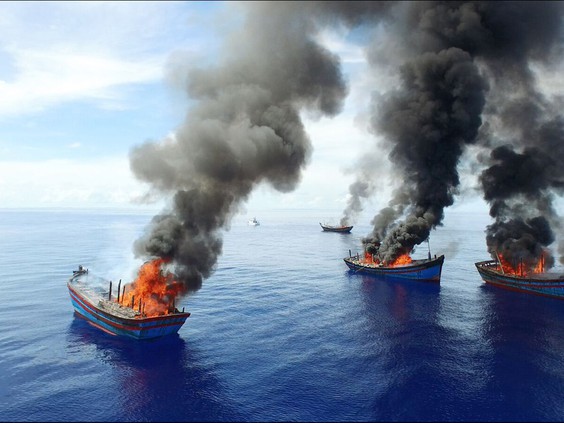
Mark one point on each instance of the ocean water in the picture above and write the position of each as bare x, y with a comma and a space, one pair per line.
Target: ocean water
280, 332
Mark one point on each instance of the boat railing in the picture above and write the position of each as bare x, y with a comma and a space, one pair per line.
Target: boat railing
490, 264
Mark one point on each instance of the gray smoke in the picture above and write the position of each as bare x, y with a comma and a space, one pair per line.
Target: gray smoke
429, 121
245, 129
520, 189
464, 62
358, 191
463, 77
526, 136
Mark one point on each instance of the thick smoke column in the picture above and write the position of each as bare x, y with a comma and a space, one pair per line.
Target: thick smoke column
244, 130
429, 120
463, 62
426, 122
520, 189
527, 135
459, 65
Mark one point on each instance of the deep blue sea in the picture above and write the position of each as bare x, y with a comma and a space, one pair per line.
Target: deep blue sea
280, 332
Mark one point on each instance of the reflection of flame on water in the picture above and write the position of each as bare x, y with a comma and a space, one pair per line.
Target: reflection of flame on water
521, 268
154, 291
400, 261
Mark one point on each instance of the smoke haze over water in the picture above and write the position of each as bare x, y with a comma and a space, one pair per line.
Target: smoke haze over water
463, 76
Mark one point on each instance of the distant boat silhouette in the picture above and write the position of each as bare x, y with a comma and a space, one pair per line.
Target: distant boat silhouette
341, 229
254, 222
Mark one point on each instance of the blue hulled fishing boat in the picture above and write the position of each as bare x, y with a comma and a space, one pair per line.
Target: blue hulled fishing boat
427, 270
340, 229
542, 283
114, 317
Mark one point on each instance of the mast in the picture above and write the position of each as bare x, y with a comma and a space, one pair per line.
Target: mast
499, 261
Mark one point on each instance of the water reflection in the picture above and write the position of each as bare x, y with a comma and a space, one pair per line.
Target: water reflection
526, 368
402, 316
402, 299
454, 353
157, 380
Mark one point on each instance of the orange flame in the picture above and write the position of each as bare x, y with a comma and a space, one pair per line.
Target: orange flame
539, 268
153, 292
520, 269
401, 260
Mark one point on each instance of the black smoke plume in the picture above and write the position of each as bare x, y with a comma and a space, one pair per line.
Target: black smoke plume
244, 130
520, 189
466, 76
526, 136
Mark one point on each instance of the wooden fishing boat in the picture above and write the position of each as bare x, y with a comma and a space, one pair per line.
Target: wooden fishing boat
546, 284
109, 315
340, 229
427, 270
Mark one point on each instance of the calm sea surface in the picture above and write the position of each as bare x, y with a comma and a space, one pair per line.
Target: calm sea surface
280, 332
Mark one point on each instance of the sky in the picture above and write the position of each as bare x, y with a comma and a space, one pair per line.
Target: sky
82, 83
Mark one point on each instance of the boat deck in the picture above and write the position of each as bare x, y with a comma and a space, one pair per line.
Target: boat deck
492, 266
423, 270
92, 301
361, 262
86, 285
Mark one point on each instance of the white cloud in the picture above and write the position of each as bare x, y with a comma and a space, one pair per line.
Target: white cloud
93, 183
53, 52
67, 51
47, 77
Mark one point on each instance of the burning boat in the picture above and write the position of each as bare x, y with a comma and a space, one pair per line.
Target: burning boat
516, 278
403, 268
340, 229
123, 314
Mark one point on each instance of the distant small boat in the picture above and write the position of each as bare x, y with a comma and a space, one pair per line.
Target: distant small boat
545, 284
254, 222
115, 318
428, 270
341, 229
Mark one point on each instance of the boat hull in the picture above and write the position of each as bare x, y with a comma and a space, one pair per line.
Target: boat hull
546, 286
137, 328
340, 229
418, 270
